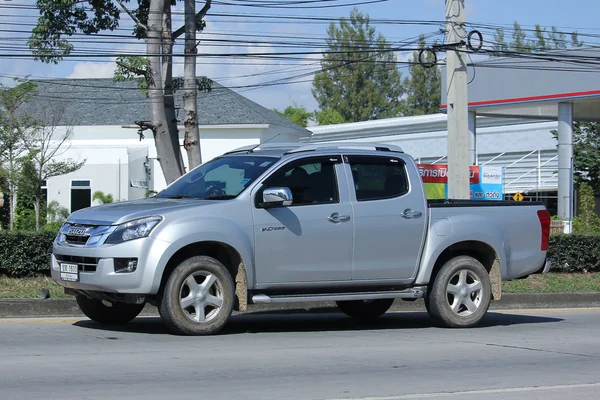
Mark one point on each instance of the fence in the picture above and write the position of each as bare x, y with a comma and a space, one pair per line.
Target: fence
559, 226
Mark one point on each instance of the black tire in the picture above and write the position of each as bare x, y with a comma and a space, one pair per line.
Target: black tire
365, 309
99, 311
461, 293
210, 304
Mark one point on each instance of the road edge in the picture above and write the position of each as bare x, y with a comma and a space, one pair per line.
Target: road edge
31, 308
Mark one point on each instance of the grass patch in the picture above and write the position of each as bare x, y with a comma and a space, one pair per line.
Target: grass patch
29, 288
555, 283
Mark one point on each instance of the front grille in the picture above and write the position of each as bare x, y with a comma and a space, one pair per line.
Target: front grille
85, 264
80, 240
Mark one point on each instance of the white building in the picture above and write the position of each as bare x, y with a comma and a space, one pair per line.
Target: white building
102, 114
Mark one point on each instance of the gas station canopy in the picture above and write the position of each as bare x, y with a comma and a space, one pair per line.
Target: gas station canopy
558, 85
533, 86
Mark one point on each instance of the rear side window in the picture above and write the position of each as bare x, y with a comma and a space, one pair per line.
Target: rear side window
377, 178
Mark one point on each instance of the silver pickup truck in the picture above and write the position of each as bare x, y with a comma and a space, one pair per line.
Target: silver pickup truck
286, 223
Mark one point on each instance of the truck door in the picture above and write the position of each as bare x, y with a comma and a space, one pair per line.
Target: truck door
389, 217
311, 240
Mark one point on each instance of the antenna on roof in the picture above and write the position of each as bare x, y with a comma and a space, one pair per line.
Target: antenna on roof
260, 144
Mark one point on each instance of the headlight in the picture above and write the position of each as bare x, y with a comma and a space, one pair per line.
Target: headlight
136, 229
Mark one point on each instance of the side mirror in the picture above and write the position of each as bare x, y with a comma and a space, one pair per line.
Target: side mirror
277, 197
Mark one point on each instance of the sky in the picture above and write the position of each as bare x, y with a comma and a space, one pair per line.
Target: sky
249, 75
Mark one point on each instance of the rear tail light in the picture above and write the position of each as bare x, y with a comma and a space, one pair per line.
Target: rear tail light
544, 217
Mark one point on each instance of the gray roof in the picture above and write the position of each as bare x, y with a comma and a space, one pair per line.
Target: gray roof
106, 102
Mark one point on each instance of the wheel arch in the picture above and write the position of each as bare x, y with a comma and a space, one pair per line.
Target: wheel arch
482, 252
220, 251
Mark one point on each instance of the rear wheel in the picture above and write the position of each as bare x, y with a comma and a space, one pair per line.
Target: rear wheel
105, 312
365, 309
461, 293
198, 297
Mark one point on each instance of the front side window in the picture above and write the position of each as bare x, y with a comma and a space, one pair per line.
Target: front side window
377, 178
220, 179
312, 181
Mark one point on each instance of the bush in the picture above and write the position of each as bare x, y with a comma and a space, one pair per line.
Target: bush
587, 221
28, 253
25, 253
574, 252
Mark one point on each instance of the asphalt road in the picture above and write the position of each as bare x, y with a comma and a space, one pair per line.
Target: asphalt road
539, 354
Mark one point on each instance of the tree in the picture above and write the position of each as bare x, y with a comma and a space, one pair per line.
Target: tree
152, 21
587, 220
328, 117
586, 153
543, 40
56, 212
424, 86
359, 78
47, 142
25, 216
296, 114
102, 198
13, 128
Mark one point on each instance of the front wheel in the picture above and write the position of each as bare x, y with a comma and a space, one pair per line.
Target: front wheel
365, 309
461, 293
198, 297
108, 313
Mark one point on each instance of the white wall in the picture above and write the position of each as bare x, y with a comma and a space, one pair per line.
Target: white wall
115, 155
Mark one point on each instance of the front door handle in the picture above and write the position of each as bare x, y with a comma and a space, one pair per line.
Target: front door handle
410, 214
336, 218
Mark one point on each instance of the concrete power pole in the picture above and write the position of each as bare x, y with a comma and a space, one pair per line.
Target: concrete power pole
456, 86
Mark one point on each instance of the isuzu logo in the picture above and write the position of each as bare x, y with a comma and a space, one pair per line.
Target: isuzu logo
77, 231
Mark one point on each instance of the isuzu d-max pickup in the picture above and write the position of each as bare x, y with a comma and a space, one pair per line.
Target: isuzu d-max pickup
284, 223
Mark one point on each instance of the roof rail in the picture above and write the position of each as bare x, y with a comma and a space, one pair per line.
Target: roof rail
347, 145
265, 146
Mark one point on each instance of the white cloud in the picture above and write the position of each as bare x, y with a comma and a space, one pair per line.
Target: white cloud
92, 70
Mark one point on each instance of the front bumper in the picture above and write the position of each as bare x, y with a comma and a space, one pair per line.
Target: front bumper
103, 277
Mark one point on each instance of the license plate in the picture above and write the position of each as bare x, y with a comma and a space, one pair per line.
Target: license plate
69, 272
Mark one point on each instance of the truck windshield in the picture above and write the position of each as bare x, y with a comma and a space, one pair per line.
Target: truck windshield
220, 179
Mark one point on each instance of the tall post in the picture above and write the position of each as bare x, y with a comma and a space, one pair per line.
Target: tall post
472, 138
565, 161
456, 86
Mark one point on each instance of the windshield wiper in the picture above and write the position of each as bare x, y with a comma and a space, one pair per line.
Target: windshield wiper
220, 197
179, 196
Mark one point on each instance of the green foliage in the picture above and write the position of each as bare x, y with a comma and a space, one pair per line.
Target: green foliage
574, 252
52, 227
423, 87
359, 79
133, 68
61, 19
57, 213
587, 220
103, 198
14, 128
543, 40
25, 219
328, 116
4, 211
25, 253
586, 153
26, 186
296, 114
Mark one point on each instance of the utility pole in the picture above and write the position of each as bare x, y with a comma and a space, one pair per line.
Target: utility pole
456, 86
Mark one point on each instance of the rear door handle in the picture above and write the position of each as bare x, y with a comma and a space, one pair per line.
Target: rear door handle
410, 214
335, 218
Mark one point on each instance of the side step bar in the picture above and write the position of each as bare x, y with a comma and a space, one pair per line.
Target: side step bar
412, 293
